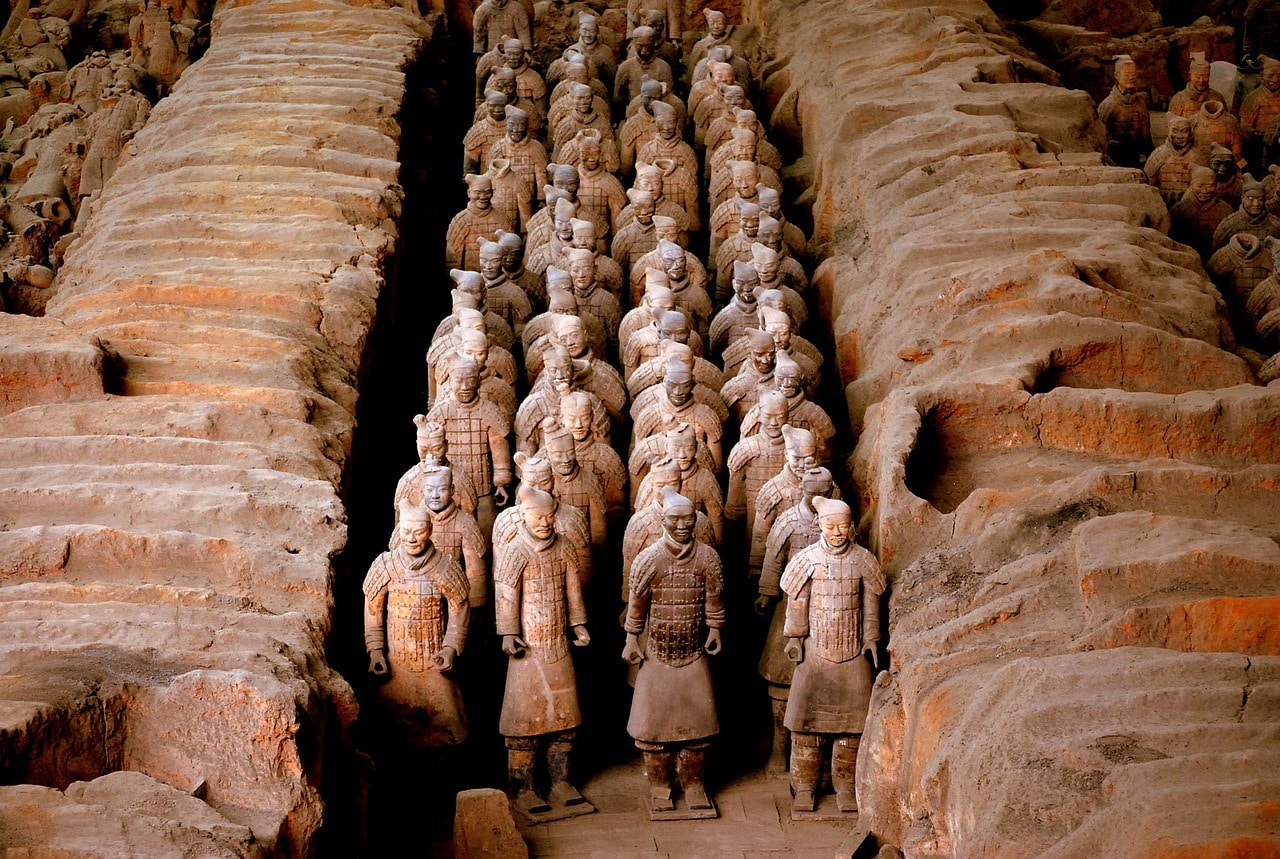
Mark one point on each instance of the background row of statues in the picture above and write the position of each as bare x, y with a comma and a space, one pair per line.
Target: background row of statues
1227, 215
577, 365
77, 82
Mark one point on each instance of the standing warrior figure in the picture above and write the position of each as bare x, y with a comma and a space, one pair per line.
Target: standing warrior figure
781, 491
479, 220
793, 531
1125, 115
696, 483
574, 485
594, 454
455, 532
833, 619
675, 403
535, 473
477, 432
644, 64
676, 595
1188, 101
539, 598
495, 21
415, 621
526, 155
755, 460
433, 450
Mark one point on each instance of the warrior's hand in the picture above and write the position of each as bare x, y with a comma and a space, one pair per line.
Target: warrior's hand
500, 496
794, 649
443, 658
713, 642
632, 651
764, 604
871, 650
581, 638
513, 645
377, 662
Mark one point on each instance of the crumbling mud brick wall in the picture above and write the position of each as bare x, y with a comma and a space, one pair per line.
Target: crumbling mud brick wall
1070, 475
173, 437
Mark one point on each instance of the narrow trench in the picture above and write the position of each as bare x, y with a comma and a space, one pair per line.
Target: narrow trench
385, 796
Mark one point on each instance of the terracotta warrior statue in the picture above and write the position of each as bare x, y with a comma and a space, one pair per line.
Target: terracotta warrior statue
445, 345
1252, 217
781, 491
743, 391
455, 532
1125, 115
415, 623
833, 620
479, 220
433, 450
646, 382
495, 21
574, 485
538, 597
1169, 167
485, 132
645, 525
593, 374
640, 235
666, 229
639, 127
544, 401
795, 529
644, 64
676, 591
724, 218
1196, 217
513, 264
474, 345
675, 403
696, 483
477, 432
594, 454
741, 313
788, 379
501, 294
535, 473
526, 155
1188, 101
512, 193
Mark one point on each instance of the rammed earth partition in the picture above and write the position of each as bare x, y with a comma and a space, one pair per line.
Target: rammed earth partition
1068, 473
170, 500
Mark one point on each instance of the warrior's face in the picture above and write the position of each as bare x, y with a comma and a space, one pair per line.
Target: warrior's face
437, 492
415, 536
836, 530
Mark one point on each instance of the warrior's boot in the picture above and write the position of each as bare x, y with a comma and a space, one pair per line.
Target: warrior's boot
657, 770
844, 766
520, 763
690, 766
561, 792
777, 764
806, 770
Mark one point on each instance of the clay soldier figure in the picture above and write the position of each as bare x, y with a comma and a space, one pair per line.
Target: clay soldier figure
1243, 262
479, 220
656, 300
477, 433
639, 236
665, 96
1198, 214
503, 80
741, 147
649, 178
768, 269
778, 325
771, 205
474, 346
681, 187
672, 19
781, 491
640, 126
719, 74
538, 596
546, 252
666, 229
795, 529
1169, 167
668, 142
485, 132
571, 70
539, 334
581, 116
668, 49
645, 64
529, 84
526, 155
719, 32
771, 234
158, 45
593, 454
535, 473
676, 595
513, 264
736, 248
455, 532
1252, 217
696, 483
1224, 167
446, 343
775, 320
645, 526
591, 373
1261, 108
741, 313
740, 115
833, 620
501, 295
590, 46
512, 194
668, 323
674, 339
594, 299
599, 191
1197, 93
675, 403
724, 218
433, 452
495, 21
1214, 125
544, 401
469, 292
755, 460
1125, 115
415, 623
788, 379
690, 294
646, 381
605, 154
743, 391
574, 485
